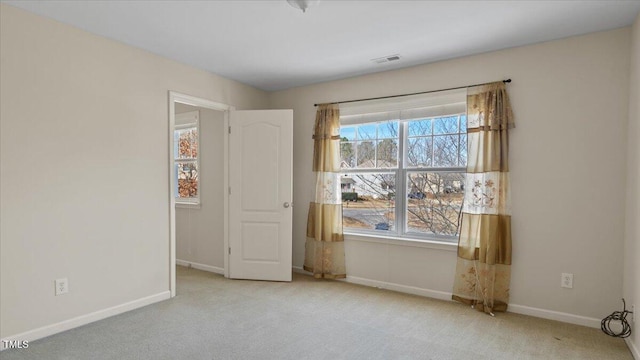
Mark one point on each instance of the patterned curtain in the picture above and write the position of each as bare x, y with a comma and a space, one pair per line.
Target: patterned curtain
483, 270
324, 249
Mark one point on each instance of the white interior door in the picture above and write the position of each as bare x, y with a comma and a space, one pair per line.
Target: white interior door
260, 178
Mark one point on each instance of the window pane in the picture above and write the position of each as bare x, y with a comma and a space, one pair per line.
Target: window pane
445, 125
388, 130
445, 150
463, 149
419, 152
187, 143
366, 154
367, 132
421, 127
347, 154
187, 174
387, 153
433, 198
176, 144
369, 201
348, 133
434, 202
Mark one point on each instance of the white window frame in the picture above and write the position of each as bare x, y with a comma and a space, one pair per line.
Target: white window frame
183, 121
429, 107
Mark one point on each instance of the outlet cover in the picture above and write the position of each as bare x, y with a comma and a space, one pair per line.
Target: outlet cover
62, 286
566, 281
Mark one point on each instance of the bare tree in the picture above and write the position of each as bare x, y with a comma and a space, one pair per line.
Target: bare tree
347, 153
387, 153
435, 201
366, 154
434, 198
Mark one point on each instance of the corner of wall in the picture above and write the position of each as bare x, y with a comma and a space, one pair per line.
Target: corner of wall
631, 286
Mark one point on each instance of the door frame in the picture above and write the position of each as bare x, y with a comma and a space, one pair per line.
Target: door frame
176, 97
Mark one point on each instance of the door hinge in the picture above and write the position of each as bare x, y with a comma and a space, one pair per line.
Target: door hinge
229, 190
229, 129
229, 250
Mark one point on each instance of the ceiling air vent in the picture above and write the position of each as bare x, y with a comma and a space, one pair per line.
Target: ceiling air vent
386, 59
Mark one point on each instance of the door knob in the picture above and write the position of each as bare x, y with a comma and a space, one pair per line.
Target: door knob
286, 204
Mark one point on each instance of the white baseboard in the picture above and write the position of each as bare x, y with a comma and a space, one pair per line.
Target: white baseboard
633, 348
555, 315
513, 308
387, 285
300, 270
203, 267
442, 295
52, 329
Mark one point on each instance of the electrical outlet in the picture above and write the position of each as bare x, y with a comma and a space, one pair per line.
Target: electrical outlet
566, 281
62, 286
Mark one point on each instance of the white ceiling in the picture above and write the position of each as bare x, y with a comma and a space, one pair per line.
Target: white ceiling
272, 46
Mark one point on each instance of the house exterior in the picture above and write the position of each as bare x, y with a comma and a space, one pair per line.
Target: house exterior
347, 184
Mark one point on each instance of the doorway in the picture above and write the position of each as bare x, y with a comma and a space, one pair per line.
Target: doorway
256, 226
198, 182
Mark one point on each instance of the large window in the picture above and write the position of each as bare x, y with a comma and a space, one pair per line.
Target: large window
186, 143
405, 177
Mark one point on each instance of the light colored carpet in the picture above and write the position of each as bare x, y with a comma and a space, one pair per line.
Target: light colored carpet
216, 318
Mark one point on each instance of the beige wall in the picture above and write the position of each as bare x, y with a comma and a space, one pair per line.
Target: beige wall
568, 156
632, 244
200, 230
84, 168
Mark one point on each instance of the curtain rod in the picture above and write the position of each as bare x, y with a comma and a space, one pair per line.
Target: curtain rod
417, 93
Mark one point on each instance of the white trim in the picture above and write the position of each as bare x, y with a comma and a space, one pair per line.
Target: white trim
513, 308
186, 205
300, 270
555, 315
419, 105
187, 119
65, 325
403, 172
197, 102
185, 126
203, 267
441, 295
172, 197
226, 187
390, 240
632, 347
387, 285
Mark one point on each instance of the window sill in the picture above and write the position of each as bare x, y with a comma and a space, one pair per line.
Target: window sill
391, 240
187, 205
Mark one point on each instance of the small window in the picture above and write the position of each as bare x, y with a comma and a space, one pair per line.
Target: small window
186, 142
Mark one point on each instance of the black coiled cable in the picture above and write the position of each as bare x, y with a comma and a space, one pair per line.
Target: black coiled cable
621, 316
